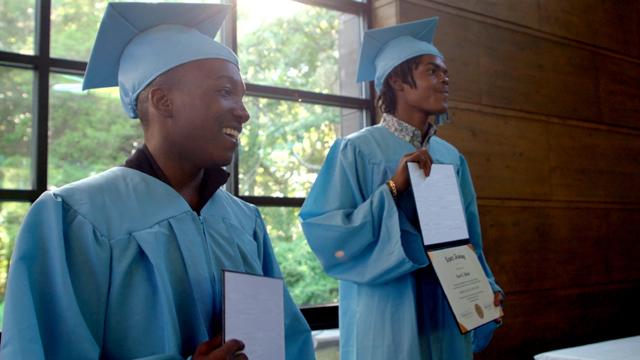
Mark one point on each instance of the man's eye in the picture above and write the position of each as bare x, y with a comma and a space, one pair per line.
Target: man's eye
225, 92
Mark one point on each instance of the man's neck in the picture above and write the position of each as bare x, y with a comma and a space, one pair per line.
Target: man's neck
417, 119
183, 177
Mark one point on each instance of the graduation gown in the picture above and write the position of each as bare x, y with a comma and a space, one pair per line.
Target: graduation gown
118, 266
391, 304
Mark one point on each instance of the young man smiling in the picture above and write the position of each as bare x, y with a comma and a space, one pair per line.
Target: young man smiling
128, 264
360, 217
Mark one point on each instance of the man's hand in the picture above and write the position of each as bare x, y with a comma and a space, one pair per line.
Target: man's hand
498, 299
214, 350
401, 176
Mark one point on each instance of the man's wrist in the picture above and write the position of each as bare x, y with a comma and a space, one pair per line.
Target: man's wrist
393, 189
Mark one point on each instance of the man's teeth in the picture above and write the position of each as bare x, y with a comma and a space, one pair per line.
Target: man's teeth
231, 133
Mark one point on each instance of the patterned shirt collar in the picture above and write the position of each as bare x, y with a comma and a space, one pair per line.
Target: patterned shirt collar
407, 132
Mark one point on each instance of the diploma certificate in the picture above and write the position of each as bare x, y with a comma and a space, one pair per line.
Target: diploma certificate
438, 204
253, 312
465, 286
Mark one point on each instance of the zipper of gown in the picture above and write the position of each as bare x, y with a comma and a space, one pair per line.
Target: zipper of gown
213, 275
205, 245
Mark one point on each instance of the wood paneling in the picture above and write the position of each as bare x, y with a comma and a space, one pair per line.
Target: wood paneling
523, 12
508, 157
534, 249
619, 91
536, 322
592, 165
611, 24
506, 68
516, 158
520, 71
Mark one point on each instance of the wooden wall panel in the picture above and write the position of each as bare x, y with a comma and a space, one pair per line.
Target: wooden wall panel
594, 165
518, 158
610, 24
516, 70
523, 12
508, 157
536, 322
522, 72
544, 248
619, 91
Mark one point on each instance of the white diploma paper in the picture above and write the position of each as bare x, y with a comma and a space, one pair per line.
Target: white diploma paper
465, 285
438, 204
253, 309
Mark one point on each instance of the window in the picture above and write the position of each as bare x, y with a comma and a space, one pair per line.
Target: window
298, 59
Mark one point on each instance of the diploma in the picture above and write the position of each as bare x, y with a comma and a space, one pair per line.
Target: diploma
438, 205
465, 286
253, 312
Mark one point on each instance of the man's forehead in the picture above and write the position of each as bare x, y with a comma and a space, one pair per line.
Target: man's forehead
214, 69
433, 60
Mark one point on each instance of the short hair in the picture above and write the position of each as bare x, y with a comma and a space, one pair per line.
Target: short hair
169, 78
386, 100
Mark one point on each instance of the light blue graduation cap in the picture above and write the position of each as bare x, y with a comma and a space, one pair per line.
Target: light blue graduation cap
384, 49
137, 42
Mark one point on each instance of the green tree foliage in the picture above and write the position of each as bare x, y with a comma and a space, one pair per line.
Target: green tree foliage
285, 143
17, 26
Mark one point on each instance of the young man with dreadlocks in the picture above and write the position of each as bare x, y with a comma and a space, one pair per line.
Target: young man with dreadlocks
360, 218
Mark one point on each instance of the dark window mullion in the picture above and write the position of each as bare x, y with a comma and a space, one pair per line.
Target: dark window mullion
346, 6
19, 195
39, 144
273, 201
18, 60
71, 67
277, 93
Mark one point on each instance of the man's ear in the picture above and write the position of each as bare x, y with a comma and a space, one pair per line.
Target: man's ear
160, 101
396, 83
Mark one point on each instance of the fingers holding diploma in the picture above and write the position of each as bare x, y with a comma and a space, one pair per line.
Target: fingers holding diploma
215, 350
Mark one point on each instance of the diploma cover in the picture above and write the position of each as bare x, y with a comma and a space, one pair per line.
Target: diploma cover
446, 239
253, 312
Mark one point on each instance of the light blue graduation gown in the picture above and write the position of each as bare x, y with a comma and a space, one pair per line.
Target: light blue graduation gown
391, 304
118, 266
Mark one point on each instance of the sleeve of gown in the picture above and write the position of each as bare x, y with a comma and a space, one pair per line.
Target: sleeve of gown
482, 335
355, 232
57, 286
298, 340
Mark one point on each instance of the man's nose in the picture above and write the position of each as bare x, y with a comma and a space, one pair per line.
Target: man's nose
241, 112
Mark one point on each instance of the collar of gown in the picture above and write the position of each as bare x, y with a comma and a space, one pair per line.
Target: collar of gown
212, 179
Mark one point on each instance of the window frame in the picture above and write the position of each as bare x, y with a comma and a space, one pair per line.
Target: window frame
43, 65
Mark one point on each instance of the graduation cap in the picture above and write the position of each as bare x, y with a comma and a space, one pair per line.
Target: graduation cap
137, 42
384, 49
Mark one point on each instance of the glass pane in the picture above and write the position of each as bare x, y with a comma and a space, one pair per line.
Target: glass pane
302, 272
17, 26
11, 216
88, 131
16, 99
75, 23
327, 344
287, 44
284, 144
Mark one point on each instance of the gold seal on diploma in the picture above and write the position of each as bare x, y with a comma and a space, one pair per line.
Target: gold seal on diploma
479, 311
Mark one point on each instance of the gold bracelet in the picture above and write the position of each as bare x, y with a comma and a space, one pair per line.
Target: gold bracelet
393, 188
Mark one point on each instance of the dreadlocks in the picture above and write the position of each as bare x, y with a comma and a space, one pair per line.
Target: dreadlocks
386, 101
